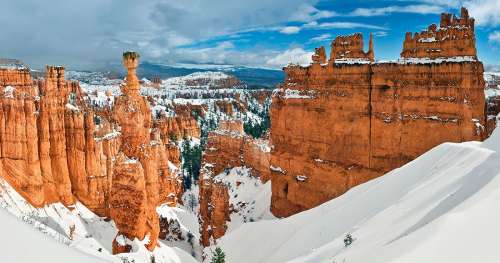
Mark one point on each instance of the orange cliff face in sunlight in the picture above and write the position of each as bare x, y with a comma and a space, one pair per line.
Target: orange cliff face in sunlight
135, 185
53, 150
227, 147
454, 37
336, 125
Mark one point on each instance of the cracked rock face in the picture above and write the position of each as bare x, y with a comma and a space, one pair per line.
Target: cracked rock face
343, 123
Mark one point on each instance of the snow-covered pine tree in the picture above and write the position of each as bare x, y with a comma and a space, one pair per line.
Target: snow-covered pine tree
218, 256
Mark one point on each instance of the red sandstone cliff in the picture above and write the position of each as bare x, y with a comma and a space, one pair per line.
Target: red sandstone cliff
227, 147
56, 148
338, 125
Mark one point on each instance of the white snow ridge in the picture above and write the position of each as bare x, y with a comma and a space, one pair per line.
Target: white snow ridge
441, 207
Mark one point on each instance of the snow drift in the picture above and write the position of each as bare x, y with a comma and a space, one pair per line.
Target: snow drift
441, 207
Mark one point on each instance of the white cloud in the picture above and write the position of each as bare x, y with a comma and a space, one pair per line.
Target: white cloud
382, 11
89, 34
295, 56
341, 25
320, 38
448, 3
289, 30
494, 37
380, 34
307, 12
486, 12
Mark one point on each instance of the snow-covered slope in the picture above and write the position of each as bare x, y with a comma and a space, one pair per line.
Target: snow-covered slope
202, 80
21, 243
36, 232
441, 207
249, 198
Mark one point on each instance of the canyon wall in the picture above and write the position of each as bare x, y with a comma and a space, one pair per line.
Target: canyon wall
49, 153
336, 125
54, 147
227, 147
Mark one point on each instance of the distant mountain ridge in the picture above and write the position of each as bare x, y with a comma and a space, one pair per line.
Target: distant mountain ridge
253, 77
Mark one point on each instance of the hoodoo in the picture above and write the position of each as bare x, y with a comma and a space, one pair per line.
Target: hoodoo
338, 124
134, 191
53, 150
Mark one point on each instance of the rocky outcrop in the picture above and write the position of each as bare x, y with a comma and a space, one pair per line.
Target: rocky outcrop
135, 185
347, 47
56, 147
179, 127
454, 37
338, 125
227, 147
20, 160
55, 151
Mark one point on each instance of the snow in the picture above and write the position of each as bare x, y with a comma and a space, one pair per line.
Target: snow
492, 80
207, 79
301, 178
249, 198
441, 207
12, 64
352, 61
72, 107
294, 94
436, 60
263, 145
55, 233
277, 169
21, 243
427, 40
131, 161
8, 92
109, 136
172, 167
183, 221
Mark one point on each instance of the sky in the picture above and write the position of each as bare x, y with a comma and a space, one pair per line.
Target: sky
92, 34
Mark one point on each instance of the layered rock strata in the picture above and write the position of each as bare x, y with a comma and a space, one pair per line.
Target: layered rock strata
55, 147
49, 152
227, 147
337, 125
454, 37
346, 47
135, 186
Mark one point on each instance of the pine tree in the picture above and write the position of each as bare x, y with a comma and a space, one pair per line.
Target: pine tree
187, 182
186, 164
348, 240
218, 256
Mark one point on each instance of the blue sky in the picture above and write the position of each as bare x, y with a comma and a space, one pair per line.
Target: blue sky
260, 33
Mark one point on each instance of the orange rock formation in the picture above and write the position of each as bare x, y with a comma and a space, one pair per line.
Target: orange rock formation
135, 190
454, 37
348, 47
56, 148
338, 125
227, 147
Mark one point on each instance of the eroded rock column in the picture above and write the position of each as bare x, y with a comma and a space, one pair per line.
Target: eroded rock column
132, 207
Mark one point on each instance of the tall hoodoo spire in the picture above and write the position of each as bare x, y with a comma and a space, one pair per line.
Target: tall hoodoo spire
131, 62
134, 190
